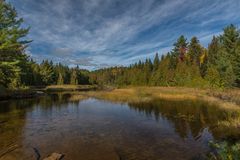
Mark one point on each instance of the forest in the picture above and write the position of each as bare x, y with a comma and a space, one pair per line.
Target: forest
188, 64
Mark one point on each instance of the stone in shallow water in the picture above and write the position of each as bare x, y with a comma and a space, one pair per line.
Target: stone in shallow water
54, 156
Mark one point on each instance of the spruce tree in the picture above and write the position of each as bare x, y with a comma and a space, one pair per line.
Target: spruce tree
179, 52
230, 41
194, 51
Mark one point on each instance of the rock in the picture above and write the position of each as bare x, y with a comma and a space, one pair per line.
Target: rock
54, 156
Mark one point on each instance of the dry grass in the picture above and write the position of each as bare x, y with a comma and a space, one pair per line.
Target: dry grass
138, 94
230, 128
69, 87
141, 94
230, 95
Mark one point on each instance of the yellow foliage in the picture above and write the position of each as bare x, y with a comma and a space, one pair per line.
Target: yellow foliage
203, 57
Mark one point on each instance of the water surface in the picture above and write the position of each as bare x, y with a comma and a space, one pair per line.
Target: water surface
92, 129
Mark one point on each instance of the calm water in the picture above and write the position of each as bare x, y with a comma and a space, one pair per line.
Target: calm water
92, 129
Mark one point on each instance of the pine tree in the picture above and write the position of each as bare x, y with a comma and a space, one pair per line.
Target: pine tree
12, 46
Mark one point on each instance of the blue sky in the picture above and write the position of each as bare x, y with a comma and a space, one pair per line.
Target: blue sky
100, 33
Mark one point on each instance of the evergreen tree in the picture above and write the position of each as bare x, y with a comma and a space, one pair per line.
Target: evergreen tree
194, 51
230, 40
218, 60
237, 65
12, 46
47, 72
179, 52
213, 51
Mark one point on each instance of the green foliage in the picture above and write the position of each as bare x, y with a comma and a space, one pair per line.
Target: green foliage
47, 73
236, 65
12, 59
224, 151
213, 77
10, 30
231, 43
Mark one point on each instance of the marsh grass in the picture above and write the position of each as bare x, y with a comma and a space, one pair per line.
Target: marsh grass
230, 127
57, 88
138, 94
230, 105
224, 151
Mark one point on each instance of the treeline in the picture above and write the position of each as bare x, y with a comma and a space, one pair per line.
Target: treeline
47, 73
188, 64
17, 69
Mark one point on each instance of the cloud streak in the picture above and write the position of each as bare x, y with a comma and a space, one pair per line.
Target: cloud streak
98, 33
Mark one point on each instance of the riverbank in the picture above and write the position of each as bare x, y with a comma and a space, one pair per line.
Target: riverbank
61, 88
31, 92
229, 98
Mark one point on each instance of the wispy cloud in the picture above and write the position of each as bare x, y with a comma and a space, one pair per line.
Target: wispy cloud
98, 33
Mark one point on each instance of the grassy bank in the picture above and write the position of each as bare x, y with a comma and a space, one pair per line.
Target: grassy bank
229, 99
59, 88
33, 91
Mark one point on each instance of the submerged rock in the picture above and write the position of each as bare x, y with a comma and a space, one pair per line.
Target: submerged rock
54, 156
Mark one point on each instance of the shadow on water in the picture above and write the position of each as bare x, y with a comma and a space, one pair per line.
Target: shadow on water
87, 128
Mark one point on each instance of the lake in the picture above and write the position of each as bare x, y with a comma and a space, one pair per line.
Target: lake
93, 129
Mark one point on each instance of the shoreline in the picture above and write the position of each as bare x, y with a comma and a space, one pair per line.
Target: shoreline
228, 99
32, 92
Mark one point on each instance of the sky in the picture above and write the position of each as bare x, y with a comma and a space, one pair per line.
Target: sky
102, 33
